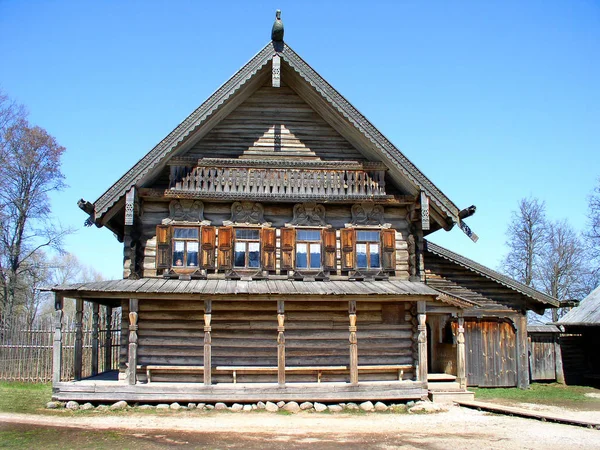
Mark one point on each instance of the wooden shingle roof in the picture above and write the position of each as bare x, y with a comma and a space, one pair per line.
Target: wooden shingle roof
587, 313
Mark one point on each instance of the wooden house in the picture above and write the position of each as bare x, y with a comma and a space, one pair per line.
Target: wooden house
274, 250
580, 341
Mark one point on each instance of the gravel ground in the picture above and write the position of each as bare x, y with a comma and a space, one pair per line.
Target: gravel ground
457, 428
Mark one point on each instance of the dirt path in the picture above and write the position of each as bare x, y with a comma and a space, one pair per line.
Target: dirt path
457, 428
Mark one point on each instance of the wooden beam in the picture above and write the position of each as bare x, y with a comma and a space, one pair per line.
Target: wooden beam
422, 340
207, 343
281, 342
57, 347
558, 363
78, 353
133, 341
108, 340
353, 343
95, 341
522, 351
461, 356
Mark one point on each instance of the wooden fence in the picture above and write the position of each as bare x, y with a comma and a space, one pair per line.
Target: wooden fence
26, 352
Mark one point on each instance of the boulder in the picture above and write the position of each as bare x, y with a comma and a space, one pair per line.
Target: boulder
73, 406
425, 407
101, 408
271, 407
176, 406
119, 405
248, 407
335, 408
209, 407
52, 405
236, 407
351, 406
191, 406
162, 406
379, 406
220, 406
86, 406
281, 404
147, 407
292, 407
366, 406
320, 407
306, 405
260, 405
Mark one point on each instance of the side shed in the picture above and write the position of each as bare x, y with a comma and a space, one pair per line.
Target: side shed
545, 356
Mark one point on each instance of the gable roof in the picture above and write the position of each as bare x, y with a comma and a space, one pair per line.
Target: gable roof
587, 313
166, 148
497, 277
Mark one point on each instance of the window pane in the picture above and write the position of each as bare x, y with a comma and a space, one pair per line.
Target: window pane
192, 254
185, 233
253, 254
367, 236
361, 256
308, 235
239, 257
301, 259
246, 233
374, 253
315, 256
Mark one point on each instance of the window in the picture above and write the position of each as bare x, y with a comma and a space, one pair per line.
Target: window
185, 247
308, 249
367, 250
247, 248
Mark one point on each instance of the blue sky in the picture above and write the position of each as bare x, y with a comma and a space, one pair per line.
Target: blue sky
493, 101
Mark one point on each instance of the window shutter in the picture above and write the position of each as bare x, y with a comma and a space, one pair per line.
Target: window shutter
225, 254
388, 249
208, 247
268, 242
163, 247
348, 239
288, 242
328, 237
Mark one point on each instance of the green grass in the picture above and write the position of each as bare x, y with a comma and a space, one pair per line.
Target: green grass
552, 393
24, 397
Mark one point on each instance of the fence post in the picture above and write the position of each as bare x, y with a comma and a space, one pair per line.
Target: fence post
78, 337
57, 348
95, 318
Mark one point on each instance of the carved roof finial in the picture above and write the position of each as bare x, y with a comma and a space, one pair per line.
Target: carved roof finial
277, 30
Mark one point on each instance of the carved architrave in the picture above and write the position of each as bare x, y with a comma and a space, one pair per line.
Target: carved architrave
367, 213
187, 211
247, 213
309, 214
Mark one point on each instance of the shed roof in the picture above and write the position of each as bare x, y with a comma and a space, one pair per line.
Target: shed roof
491, 274
542, 329
587, 313
160, 287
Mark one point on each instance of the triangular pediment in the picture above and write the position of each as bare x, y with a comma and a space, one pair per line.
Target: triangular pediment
306, 119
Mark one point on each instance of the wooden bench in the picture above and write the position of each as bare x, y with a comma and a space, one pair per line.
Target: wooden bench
170, 369
400, 368
273, 370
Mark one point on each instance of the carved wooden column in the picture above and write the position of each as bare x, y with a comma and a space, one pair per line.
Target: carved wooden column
522, 351
280, 342
422, 329
78, 338
461, 356
95, 342
57, 347
353, 343
133, 341
108, 340
207, 343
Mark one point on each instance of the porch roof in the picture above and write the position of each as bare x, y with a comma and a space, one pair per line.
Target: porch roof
169, 288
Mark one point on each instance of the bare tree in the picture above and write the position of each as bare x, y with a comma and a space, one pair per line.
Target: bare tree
30, 168
593, 233
525, 240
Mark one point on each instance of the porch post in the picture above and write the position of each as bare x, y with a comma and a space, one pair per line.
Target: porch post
95, 317
280, 342
422, 339
57, 347
78, 337
133, 341
207, 343
461, 369
522, 351
353, 342
108, 340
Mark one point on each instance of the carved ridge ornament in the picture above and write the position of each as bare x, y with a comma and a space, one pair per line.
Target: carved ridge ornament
187, 211
309, 214
247, 213
367, 213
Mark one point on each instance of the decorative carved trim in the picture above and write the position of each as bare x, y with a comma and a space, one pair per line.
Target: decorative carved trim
424, 211
189, 211
247, 213
283, 164
309, 214
367, 213
130, 206
272, 197
276, 71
